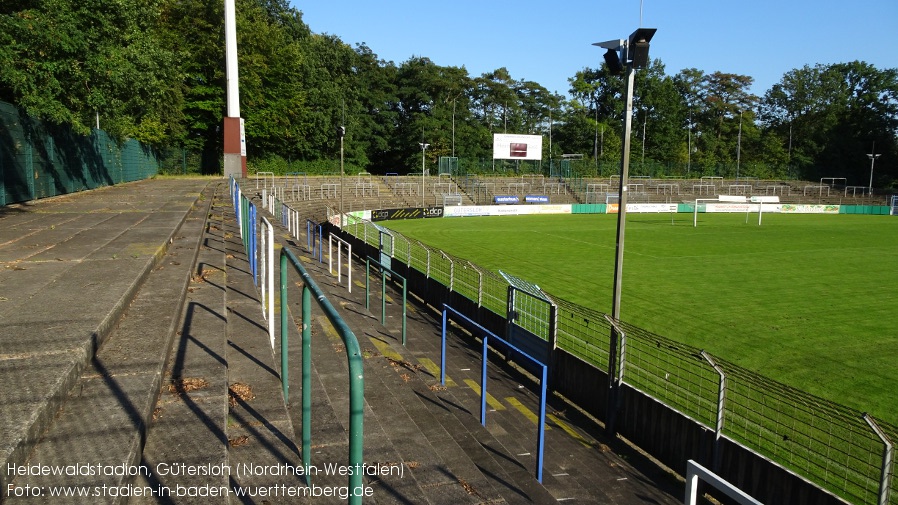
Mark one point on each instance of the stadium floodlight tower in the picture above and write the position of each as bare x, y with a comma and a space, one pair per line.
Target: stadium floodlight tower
341, 132
623, 55
424, 147
872, 157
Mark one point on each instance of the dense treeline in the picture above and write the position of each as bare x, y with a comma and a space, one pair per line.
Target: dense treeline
153, 70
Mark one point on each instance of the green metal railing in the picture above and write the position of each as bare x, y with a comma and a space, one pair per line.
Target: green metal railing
383, 296
356, 375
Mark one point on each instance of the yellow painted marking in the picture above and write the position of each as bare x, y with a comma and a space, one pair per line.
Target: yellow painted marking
434, 370
524, 410
385, 349
570, 431
329, 329
490, 400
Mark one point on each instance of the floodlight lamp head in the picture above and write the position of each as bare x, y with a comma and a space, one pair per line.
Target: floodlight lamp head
341, 131
638, 47
613, 61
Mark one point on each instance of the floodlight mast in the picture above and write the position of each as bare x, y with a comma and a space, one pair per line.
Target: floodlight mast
424, 147
633, 55
872, 157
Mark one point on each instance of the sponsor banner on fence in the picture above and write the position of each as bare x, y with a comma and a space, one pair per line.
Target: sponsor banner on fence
406, 213
354, 217
536, 199
739, 207
651, 207
809, 209
505, 210
506, 199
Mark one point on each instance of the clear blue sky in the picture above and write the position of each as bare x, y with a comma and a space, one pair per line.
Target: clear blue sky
549, 41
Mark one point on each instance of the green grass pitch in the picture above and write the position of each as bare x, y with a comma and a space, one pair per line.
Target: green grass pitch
808, 300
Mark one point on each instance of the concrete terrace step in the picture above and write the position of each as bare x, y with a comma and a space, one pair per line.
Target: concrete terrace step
400, 429
73, 264
221, 409
103, 419
448, 457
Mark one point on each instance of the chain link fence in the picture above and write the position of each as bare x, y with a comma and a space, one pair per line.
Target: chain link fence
39, 160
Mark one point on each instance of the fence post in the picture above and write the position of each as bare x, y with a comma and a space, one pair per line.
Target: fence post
615, 400
721, 405
285, 332
451, 270
887, 458
306, 375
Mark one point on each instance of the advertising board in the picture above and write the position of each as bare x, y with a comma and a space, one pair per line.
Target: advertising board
517, 147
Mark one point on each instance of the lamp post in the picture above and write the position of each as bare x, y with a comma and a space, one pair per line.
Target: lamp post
739, 146
634, 54
341, 132
872, 157
424, 147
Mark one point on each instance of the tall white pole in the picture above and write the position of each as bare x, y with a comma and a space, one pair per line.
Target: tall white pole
872, 157
234, 135
423, 148
231, 56
739, 146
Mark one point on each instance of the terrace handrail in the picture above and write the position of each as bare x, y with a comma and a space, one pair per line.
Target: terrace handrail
266, 282
485, 335
356, 373
383, 301
695, 472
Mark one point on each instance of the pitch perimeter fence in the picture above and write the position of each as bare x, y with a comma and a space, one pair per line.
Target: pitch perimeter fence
39, 160
716, 411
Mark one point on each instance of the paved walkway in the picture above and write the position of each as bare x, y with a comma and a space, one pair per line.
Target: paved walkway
152, 274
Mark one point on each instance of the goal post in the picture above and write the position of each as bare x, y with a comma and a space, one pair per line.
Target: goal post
720, 198
893, 210
749, 202
761, 200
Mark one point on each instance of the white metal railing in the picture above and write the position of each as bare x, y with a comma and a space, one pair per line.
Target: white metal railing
694, 472
330, 262
266, 279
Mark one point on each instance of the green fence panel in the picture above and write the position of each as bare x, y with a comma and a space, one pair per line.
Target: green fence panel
39, 160
588, 208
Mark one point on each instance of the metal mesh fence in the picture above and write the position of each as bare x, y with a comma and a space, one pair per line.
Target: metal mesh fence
39, 160
825, 442
532, 308
673, 373
832, 446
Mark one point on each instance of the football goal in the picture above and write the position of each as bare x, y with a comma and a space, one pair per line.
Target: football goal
733, 203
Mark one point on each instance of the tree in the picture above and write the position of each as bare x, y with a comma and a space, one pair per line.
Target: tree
829, 116
71, 62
